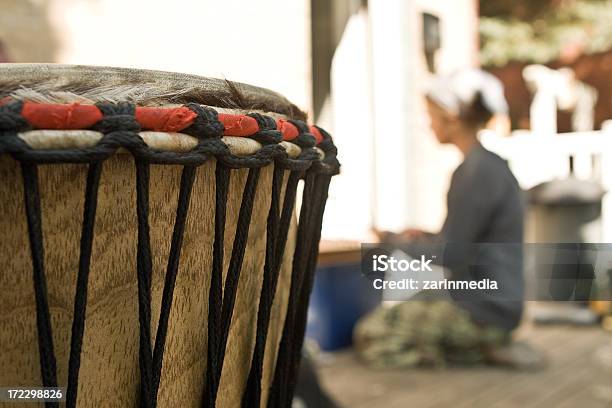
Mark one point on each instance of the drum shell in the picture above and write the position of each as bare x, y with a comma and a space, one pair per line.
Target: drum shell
109, 372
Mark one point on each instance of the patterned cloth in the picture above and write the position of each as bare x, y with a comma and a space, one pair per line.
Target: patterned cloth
424, 332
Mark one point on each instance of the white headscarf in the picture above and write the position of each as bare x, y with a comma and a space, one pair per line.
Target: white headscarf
456, 93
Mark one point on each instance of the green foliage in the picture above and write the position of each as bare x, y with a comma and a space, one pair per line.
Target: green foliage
585, 24
519, 9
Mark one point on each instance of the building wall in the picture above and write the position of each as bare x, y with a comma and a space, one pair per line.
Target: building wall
264, 42
395, 175
26, 33
432, 164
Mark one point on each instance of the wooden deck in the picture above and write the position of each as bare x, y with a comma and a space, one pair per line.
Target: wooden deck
579, 374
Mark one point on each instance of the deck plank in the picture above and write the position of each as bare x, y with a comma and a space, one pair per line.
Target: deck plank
571, 379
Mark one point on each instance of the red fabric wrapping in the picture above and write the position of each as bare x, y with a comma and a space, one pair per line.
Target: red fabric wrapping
76, 116
288, 129
318, 136
164, 119
238, 125
60, 116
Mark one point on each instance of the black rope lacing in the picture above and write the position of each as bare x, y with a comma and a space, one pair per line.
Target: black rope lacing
80, 297
187, 180
321, 188
316, 185
48, 369
120, 130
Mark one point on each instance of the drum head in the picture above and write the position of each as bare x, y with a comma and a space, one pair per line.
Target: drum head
56, 83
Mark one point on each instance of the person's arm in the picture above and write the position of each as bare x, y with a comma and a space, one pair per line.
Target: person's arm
472, 200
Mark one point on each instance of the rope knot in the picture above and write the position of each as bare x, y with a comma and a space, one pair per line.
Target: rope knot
11, 119
327, 145
117, 117
206, 125
305, 139
267, 134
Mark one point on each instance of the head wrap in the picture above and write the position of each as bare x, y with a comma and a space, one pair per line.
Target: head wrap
456, 93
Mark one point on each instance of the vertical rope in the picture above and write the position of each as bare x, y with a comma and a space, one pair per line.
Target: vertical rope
80, 298
287, 213
240, 241
187, 178
304, 240
215, 295
233, 275
253, 389
320, 197
144, 267
277, 231
43, 320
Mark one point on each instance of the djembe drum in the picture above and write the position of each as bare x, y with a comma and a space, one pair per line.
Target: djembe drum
150, 250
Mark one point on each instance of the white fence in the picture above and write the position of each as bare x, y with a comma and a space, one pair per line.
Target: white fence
536, 158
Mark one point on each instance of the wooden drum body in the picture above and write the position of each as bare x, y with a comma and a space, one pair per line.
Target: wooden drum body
150, 250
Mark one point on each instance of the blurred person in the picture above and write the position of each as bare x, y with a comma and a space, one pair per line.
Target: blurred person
484, 206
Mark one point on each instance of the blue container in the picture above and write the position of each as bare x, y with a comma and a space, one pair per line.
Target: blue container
340, 296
